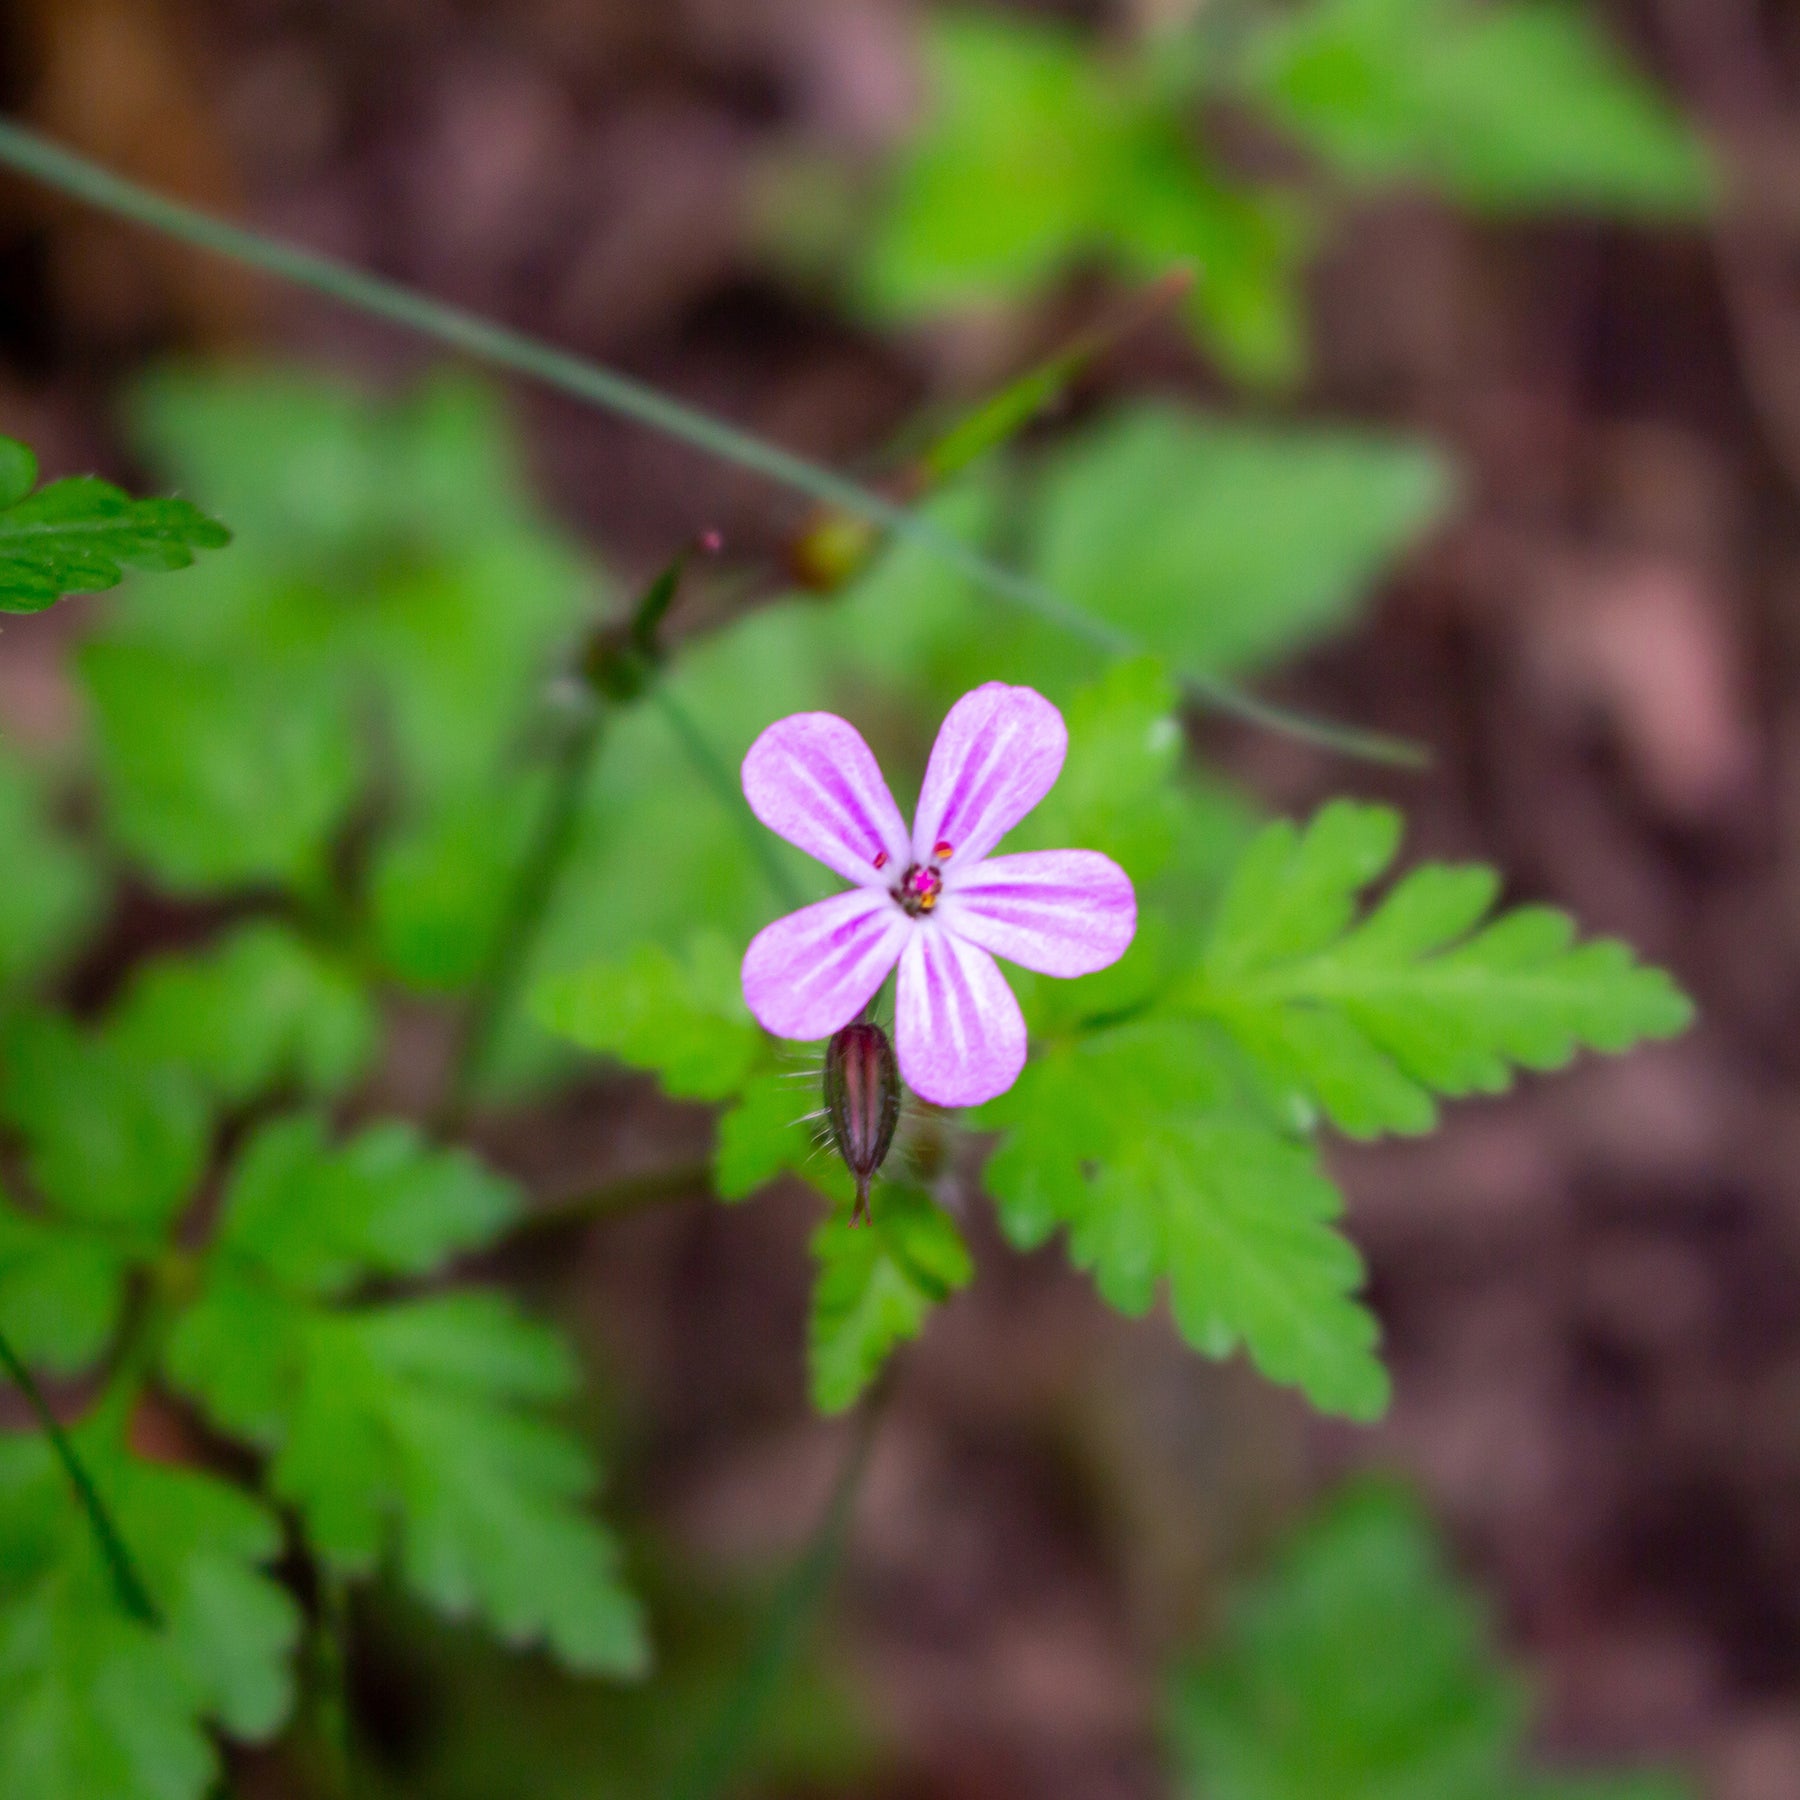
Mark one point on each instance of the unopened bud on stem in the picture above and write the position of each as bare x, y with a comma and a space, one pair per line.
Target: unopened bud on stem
862, 1103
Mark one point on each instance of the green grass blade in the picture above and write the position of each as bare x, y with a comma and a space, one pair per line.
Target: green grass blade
44, 161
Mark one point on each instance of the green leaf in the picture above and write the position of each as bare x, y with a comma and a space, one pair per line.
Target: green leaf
318, 1220
1138, 1140
1367, 1016
219, 774
772, 1131
114, 1153
1116, 792
62, 1289
108, 1142
50, 892
415, 1431
81, 534
387, 556
1357, 1667
876, 1284
1040, 153
441, 886
1018, 111
1245, 248
94, 1706
1522, 107
260, 1011
310, 469
683, 1018
1223, 546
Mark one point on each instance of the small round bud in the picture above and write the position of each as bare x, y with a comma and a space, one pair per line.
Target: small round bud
831, 550
862, 1103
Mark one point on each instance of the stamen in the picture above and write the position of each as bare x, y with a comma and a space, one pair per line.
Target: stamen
918, 889
943, 850
881, 859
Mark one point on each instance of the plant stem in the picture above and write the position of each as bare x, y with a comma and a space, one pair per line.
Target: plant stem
52, 165
331, 1662
734, 1729
127, 1582
628, 1194
511, 953
713, 771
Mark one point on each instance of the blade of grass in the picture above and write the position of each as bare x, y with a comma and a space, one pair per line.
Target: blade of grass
41, 160
720, 1749
127, 1582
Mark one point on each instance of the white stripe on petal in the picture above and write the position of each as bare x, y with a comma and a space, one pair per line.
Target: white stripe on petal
1060, 912
998, 753
957, 1028
811, 778
813, 971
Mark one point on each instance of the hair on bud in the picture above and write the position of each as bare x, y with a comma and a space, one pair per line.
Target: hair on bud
862, 1103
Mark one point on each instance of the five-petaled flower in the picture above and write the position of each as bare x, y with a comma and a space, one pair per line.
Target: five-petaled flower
936, 901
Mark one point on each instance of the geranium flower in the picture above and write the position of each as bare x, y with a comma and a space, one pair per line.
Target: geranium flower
936, 902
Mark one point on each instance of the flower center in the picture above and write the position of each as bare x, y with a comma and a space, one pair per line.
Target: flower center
919, 888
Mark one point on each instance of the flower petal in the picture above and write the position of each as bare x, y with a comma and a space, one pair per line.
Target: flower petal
811, 778
957, 1027
1060, 912
815, 970
997, 754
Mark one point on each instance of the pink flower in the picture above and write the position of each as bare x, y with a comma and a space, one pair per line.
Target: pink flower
935, 902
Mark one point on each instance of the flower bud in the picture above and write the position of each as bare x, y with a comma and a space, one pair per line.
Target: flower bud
831, 551
862, 1103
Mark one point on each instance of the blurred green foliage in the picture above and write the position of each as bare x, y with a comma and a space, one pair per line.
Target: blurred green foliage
95, 1705
1040, 153
877, 1284
1042, 150
1521, 107
1358, 1668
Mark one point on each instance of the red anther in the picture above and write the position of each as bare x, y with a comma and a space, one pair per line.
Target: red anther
943, 849
712, 542
881, 859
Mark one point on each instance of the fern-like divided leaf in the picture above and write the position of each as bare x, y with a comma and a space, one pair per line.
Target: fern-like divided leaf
81, 534
112, 1152
260, 1011
93, 1705
877, 1284
1514, 107
1136, 1139
412, 1430
1358, 1668
683, 1017
1365, 1016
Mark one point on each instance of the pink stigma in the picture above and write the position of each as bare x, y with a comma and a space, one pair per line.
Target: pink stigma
919, 888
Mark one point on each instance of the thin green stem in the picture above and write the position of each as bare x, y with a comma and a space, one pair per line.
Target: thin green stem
127, 1582
733, 1732
44, 161
510, 956
711, 768
614, 1199
331, 1667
